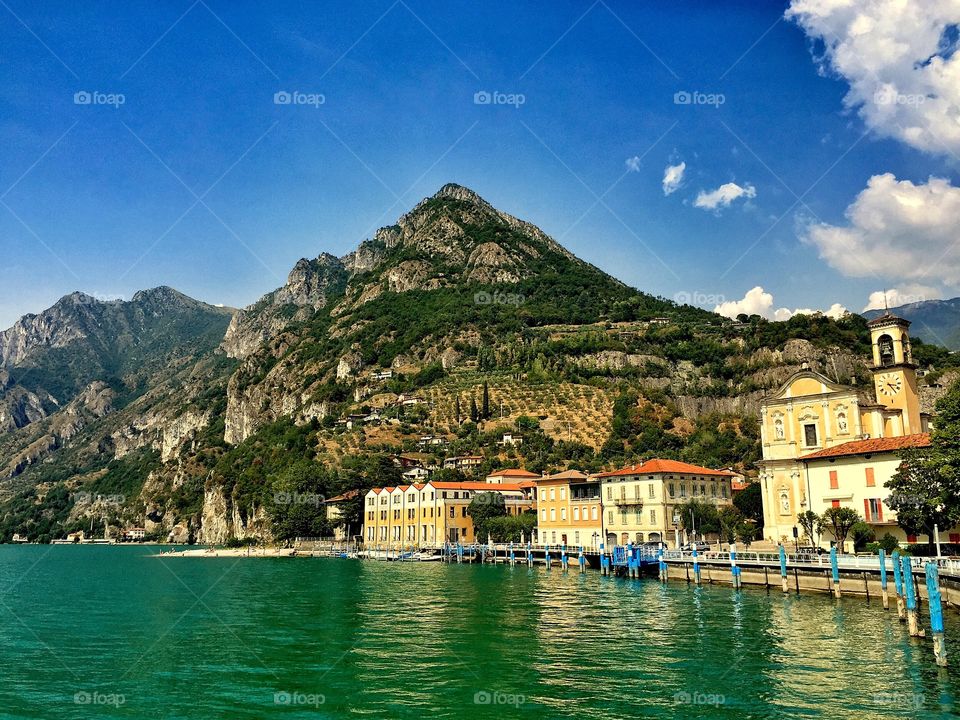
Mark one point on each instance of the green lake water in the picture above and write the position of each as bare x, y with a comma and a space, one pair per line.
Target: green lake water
105, 632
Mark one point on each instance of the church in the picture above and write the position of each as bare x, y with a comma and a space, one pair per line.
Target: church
830, 445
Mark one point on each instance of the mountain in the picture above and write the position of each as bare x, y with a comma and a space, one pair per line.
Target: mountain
934, 321
459, 322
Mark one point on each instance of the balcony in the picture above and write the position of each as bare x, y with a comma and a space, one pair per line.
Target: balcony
628, 502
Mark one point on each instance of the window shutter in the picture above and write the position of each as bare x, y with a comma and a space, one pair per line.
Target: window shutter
866, 509
871, 482
834, 483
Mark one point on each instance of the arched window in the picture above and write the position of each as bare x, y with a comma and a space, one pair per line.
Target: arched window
885, 346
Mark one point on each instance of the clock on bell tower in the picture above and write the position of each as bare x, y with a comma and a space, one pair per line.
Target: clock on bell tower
894, 373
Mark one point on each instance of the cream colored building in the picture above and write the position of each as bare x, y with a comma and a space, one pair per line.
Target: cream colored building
855, 475
640, 503
810, 412
569, 510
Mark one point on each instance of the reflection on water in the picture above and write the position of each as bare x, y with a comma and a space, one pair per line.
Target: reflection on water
254, 638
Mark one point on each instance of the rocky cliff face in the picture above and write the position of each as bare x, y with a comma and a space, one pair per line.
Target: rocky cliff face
311, 285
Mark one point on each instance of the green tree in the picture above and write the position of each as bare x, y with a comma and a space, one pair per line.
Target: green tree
296, 505
458, 412
862, 535
925, 490
482, 509
474, 413
699, 517
811, 524
485, 403
749, 501
839, 521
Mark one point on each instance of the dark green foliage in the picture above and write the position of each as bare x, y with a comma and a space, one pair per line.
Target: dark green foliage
749, 501
483, 508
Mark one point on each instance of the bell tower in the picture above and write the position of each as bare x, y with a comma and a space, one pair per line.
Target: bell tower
894, 373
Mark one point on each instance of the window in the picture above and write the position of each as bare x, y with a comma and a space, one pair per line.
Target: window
713, 489
576, 537
873, 510
463, 511
543, 494
453, 512
810, 434
593, 512
834, 480
871, 480
653, 517
636, 491
576, 514
671, 489
553, 536
835, 503
563, 493
553, 514
683, 490
725, 490
650, 490
610, 517
609, 493
543, 514
563, 513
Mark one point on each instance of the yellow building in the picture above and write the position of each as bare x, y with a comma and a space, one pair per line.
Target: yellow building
810, 413
641, 502
429, 514
569, 510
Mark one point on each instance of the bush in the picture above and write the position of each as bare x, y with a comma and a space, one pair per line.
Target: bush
862, 534
888, 543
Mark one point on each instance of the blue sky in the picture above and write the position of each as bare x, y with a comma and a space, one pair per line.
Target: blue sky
199, 180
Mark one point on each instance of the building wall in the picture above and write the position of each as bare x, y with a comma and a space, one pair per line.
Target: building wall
561, 520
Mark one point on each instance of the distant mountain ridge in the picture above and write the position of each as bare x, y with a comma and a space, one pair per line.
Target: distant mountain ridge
934, 321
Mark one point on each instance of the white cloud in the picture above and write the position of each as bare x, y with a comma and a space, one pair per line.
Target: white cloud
723, 196
896, 229
758, 301
898, 58
672, 177
895, 297
633, 163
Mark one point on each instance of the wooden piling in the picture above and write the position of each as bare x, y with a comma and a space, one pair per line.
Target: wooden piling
835, 570
783, 569
882, 554
911, 596
898, 586
936, 614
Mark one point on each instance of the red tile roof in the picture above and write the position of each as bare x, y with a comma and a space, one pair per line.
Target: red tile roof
348, 495
565, 475
652, 467
514, 472
473, 485
872, 445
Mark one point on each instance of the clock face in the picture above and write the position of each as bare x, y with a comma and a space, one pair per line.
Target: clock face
889, 384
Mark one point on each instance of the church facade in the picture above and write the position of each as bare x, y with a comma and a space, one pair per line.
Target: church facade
811, 414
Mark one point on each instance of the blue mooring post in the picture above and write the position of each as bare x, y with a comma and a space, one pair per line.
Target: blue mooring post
529, 555
835, 571
663, 563
898, 585
459, 552
630, 559
936, 614
883, 578
564, 561
783, 569
513, 556
546, 556
734, 570
604, 561
696, 565
910, 594
582, 561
